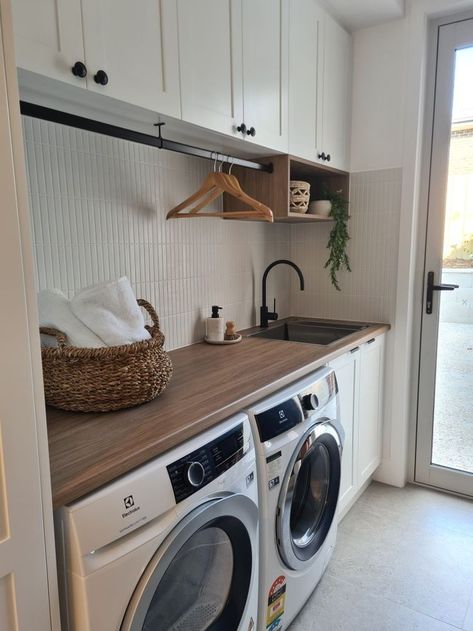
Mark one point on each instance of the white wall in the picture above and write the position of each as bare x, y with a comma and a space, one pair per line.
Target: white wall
98, 209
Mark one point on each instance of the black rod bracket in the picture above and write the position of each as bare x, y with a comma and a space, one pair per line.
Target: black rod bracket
88, 124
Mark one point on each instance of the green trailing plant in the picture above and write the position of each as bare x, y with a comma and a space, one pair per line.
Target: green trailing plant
339, 237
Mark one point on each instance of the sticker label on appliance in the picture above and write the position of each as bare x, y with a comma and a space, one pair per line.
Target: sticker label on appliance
276, 604
273, 465
274, 482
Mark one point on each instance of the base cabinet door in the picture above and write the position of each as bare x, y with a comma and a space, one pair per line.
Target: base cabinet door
370, 408
347, 368
132, 52
210, 50
265, 71
360, 382
48, 38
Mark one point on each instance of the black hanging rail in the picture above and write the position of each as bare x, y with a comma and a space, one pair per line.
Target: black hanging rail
80, 122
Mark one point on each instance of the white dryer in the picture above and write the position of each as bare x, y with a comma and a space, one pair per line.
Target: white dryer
299, 441
171, 546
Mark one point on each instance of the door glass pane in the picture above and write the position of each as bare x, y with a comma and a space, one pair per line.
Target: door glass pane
453, 408
310, 495
194, 589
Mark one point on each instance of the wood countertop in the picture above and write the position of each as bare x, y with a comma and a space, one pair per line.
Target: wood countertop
209, 384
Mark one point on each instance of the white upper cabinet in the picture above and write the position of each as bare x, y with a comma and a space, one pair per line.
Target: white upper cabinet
210, 49
48, 38
319, 86
128, 51
336, 94
265, 71
133, 48
305, 86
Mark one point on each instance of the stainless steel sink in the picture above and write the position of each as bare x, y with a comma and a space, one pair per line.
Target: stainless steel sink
309, 331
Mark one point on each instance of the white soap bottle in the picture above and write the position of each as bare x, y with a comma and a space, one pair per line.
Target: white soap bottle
215, 326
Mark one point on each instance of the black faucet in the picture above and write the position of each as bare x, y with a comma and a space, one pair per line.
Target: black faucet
266, 315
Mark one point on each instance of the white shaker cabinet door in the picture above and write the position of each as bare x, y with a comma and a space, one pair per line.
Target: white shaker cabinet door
336, 94
370, 408
265, 71
135, 45
347, 369
305, 78
210, 64
48, 38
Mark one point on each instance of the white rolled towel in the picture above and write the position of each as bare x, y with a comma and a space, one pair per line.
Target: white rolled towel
110, 310
55, 312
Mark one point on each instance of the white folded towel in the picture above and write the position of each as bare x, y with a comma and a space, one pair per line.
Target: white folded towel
55, 312
110, 310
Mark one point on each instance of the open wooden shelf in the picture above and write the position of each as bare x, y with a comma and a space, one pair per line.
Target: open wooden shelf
272, 189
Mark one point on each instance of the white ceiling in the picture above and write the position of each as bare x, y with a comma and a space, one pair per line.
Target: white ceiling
356, 14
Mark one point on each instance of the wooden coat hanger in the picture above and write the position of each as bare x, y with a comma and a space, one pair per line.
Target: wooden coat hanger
214, 185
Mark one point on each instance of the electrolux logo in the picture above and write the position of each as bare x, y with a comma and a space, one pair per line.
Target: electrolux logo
282, 417
129, 503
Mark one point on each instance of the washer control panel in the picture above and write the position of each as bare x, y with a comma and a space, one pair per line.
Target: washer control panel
198, 468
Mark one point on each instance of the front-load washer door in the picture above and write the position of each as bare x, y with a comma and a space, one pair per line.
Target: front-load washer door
309, 495
200, 577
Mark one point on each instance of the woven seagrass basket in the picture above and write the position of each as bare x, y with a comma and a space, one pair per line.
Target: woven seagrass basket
299, 196
109, 378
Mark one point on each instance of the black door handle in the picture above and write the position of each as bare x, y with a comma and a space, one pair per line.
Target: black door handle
431, 287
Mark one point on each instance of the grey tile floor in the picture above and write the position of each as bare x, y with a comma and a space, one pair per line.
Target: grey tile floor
403, 562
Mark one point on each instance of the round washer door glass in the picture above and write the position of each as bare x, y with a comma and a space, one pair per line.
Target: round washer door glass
195, 587
309, 496
200, 581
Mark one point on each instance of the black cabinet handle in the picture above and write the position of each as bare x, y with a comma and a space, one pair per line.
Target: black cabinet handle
353, 350
242, 128
79, 69
322, 156
328, 157
431, 287
101, 77
371, 340
251, 132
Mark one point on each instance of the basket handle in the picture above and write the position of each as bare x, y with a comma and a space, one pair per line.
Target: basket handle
150, 309
59, 335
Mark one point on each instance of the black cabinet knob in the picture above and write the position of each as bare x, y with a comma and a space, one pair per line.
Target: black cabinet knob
251, 131
322, 156
79, 69
101, 77
328, 157
242, 128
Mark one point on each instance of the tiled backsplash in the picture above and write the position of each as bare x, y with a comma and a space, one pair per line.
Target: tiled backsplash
369, 291
98, 209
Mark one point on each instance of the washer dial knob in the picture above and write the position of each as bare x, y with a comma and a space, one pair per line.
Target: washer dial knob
195, 474
310, 402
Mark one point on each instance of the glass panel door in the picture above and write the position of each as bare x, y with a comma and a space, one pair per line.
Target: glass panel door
444, 454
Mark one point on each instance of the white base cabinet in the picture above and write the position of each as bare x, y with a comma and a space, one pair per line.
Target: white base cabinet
360, 382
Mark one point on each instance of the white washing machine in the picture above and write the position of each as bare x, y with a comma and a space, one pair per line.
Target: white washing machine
171, 546
299, 440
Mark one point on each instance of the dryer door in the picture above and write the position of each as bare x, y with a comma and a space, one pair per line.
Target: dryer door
309, 495
201, 575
